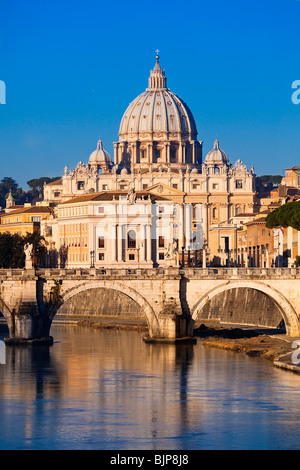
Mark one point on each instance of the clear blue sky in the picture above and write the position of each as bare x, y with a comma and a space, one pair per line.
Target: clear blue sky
71, 68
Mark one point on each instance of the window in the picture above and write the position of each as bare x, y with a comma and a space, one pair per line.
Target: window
145, 186
131, 239
131, 257
161, 209
80, 185
173, 155
216, 170
56, 193
101, 210
101, 256
215, 186
214, 213
161, 256
238, 184
196, 186
161, 241
175, 185
104, 187
101, 242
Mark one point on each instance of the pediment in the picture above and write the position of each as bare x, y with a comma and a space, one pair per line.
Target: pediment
163, 189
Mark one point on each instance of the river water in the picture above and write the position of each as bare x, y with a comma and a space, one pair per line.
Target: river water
108, 390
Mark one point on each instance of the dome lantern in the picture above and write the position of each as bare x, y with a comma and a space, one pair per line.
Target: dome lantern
157, 79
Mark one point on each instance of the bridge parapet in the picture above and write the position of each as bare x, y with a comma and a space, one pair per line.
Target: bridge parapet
149, 273
241, 273
140, 273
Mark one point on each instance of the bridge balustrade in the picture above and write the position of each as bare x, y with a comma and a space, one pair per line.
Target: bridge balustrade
150, 272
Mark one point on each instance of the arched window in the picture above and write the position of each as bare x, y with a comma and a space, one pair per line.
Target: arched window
238, 210
158, 154
131, 239
215, 213
173, 155
216, 170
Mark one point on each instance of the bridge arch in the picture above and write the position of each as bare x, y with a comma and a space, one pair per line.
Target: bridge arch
285, 307
120, 287
8, 315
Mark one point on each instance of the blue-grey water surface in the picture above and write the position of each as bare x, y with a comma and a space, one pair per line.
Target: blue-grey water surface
107, 389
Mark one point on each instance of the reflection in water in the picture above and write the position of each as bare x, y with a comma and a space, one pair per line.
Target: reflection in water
107, 389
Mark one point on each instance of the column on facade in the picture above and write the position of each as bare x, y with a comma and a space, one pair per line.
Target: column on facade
188, 224
181, 226
121, 151
193, 153
180, 153
134, 153
113, 242
168, 152
120, 242
139, 229
203, 258
183, 149
116, 153
143, 257
150, 153
148, 241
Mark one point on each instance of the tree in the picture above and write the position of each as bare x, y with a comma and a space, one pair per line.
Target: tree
12, 249
7, 184
274, 179
287, 215
37, 184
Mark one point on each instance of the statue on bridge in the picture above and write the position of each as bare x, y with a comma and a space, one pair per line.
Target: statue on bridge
28, 249
172, 249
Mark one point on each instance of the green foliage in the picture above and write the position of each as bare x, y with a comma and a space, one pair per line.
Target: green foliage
12, 249
287, 215
275, 179
7, 184
37, 184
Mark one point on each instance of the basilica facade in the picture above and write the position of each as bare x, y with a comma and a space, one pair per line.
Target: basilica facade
159, 196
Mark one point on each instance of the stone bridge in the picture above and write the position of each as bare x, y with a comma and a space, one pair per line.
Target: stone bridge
170, 300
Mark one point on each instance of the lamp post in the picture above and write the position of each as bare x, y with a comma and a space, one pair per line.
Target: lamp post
182, 257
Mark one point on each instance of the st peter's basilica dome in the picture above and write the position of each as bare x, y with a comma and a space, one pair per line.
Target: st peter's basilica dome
158, 110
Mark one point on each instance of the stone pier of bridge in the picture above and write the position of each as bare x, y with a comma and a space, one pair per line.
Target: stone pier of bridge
171, 299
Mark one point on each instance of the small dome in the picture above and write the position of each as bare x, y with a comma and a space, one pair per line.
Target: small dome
216, 155
100, 156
